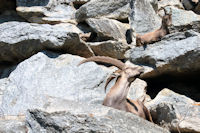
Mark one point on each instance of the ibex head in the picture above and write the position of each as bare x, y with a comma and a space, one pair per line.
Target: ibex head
167, 18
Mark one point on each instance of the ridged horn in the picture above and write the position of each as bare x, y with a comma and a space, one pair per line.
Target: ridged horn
162, 8
104, 59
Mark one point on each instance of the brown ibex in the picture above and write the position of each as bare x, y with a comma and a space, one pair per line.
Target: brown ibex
156, 35
117, 95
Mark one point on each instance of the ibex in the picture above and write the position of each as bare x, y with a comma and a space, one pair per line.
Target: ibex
117, 95
156, 35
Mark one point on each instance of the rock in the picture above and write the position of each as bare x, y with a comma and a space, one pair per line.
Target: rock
29, 3
177, 54
165, 3
175, 111
115, 49
20, 40
143, 17
77, 117
107, 29
154, 4
189, 4
39, 14
48, 11
97, 8
138, 91
46, 75
13, 124
183, 20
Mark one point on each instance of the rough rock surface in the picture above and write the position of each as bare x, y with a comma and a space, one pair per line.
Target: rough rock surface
13, 124
175, 3
143, 17
77, 117
177, 53
108, 29
115, 49
56, 76
175, 111
46, 75
97, 8
20, 40
183, 20
48, 11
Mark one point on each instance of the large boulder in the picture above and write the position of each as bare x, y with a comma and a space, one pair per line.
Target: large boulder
67, 116
143, 17
108, 29
45, 75
175, 112
183, 20
115, 49
47, 11
177, 53
13, 124
20, 40
97, 8
165, 3
72, 117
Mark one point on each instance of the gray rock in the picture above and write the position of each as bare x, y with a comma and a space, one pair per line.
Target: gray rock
115, 49
13, 124
175, 3
30, 3
177, 54
189, 4
107, 29
48, 11
138, 91
97, 8
43, 76
143, 17
175, 111
183, 20
77, 117
21, 40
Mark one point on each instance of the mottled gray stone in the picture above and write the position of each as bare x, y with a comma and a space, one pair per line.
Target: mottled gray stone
115, 49
110, 8
143, 18
13, 124
183, 20
175, 111
73, 117
107, 29
48, 11
47, 75
20, 40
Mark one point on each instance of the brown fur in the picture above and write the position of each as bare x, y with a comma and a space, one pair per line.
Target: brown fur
117, 95
156, 35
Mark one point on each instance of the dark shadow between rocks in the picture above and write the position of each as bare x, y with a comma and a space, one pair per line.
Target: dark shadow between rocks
187, 84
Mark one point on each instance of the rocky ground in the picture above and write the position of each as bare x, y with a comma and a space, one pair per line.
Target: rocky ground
43, 90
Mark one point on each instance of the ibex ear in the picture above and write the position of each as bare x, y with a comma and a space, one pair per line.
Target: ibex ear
170, 12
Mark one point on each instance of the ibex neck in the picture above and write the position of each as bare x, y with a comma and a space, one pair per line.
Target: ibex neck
120, 89
164, 28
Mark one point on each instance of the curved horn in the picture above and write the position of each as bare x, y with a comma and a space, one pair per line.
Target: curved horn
104, 59
162, 8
